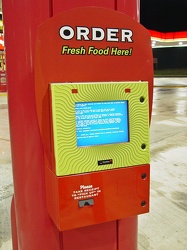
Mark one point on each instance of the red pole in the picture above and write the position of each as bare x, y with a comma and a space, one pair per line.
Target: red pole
131, 8
31, 225
21, 19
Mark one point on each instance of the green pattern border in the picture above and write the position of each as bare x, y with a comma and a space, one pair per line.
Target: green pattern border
73, 160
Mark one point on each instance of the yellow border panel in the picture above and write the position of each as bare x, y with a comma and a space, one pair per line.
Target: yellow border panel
71, 159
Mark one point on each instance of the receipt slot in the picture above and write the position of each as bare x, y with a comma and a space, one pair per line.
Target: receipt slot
94, 104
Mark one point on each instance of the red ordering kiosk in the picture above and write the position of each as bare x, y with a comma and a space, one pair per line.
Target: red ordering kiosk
92, 96
93, 91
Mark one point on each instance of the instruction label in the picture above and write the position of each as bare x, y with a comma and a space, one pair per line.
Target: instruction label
85, 192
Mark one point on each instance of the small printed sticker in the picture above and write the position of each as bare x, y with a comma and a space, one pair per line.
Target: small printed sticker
105, 162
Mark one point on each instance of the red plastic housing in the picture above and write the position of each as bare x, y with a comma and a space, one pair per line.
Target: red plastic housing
123, 192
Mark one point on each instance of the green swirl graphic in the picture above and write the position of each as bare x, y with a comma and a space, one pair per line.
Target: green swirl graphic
71, 159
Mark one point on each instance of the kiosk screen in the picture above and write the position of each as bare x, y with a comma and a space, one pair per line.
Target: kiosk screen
99, 123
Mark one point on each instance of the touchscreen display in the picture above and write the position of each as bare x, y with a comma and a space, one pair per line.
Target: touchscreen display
100, 123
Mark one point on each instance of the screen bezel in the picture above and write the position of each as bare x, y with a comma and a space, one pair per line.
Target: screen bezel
70, 159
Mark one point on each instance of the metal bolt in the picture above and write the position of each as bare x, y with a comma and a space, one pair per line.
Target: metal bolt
142, 99
143, 203
144, 176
